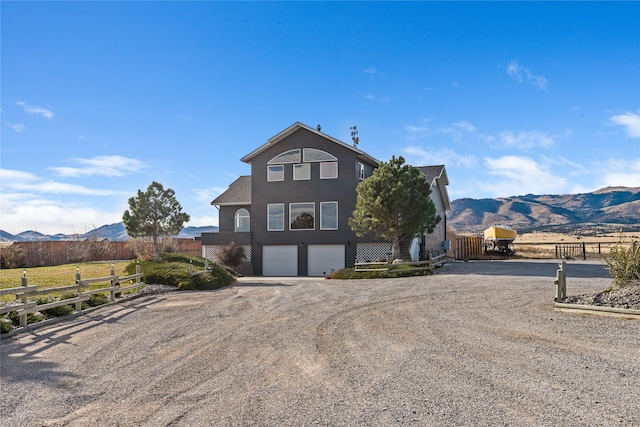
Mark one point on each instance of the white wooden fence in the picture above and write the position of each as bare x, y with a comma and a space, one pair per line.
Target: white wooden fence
430, 264
25, 292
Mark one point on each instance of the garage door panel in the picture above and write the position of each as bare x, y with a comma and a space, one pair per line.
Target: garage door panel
280, 260
323, 259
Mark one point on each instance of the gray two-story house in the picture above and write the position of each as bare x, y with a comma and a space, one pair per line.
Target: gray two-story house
291, 215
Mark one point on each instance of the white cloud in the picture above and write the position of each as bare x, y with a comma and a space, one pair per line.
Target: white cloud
516, 175
51, 216
522, 74
442, 156
619, 172
465, 126
631, 123
19, 181
415, 129
203, 221
109, 166
515, 71
370, 70
524, 139
31, 109
206, 195
18, 127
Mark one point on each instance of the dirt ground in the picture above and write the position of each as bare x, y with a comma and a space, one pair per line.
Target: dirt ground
476, 345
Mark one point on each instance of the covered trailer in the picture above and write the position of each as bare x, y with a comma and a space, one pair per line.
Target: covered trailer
499, 239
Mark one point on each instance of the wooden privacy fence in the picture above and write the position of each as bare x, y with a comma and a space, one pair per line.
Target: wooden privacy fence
466, 247
58, 252
25, 292
431, 264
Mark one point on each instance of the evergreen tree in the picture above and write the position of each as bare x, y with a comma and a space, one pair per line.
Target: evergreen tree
394, 204
154, 213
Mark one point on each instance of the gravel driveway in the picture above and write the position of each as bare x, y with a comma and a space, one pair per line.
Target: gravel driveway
476, 345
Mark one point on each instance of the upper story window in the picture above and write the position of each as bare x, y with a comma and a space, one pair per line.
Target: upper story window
315, 155
275, 217
328, 215
302, 216
291, 156
302, 159
360, 170
242, 220
328, 170
301, 171
275, 173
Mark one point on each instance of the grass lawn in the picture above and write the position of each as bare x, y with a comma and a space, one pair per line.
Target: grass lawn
59, 275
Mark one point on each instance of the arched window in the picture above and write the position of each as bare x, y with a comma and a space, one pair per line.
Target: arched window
242, 222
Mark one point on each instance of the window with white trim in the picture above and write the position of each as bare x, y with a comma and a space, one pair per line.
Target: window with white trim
291, 156
242, 221
275, 217
360, 170
315, 155
328, 170
302, 216
275, 173
301, 171
328, 215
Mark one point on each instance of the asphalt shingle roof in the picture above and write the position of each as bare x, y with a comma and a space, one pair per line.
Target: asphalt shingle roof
238, 193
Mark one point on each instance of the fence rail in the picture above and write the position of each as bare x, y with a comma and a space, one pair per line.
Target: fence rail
25, 291
431, 264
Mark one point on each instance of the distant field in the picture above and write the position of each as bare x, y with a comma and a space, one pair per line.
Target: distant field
569, 238
543, 245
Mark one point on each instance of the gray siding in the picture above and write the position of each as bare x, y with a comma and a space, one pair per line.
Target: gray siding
226, 217
315, 190
433, 241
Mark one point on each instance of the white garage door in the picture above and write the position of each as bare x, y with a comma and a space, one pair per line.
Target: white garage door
280, 260
323, 259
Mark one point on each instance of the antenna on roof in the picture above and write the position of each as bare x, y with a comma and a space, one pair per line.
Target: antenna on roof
354, 136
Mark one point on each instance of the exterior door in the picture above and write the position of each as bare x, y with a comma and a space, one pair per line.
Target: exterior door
280, 260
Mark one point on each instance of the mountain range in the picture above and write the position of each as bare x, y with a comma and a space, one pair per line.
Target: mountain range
606, 210
114, 232
609, 209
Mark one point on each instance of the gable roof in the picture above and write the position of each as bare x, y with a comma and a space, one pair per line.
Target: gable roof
437, 176
238, 193
297, 126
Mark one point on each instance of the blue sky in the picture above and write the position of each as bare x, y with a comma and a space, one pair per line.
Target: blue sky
99, 99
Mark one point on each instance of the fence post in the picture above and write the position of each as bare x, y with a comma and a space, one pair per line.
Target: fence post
584, 251
430, 258
190, 268
112, 283
23, 299
78, 290
138, 277
561, 282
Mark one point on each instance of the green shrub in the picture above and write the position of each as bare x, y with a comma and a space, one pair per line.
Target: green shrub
11, 257
97, 299
173, 270
31, 318
624, 265
231, 254
5, 325
394, 271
